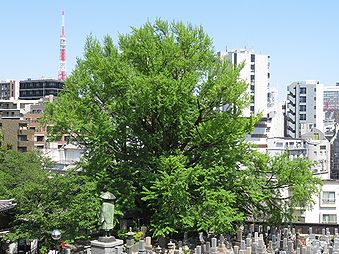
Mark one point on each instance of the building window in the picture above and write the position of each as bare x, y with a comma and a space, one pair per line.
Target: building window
40, 138
315, 107
302, 117
22, 126
301, 219
22, 137
328, 197
316, 136
252, 78
252, 58
252, 67
302, 99
315, 89
302, 90
329, 218
302, 108
252, 108
279, 144
322, 147
22, 149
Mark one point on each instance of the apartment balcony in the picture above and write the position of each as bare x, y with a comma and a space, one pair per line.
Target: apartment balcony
291, 111
290, 133
327, 202
291, 95
260, 125
26, 143
291, 107
299, 149
291, 129
291, 115
291, 120
259, 136
24, 132
10, 117
291, 102
291, 125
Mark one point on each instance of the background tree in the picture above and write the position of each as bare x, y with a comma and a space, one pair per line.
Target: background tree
46, 201
161, 118
17, 169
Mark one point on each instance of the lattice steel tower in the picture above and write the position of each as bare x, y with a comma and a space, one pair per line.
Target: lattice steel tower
62, 64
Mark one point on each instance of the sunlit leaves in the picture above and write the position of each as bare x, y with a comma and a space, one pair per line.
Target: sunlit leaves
161, 118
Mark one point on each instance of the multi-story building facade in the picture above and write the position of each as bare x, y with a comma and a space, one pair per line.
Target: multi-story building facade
256, 73
9, 109
318, 151
326, 205
39, 88
312, 145
331, 108
14, 130
275, 115
315, 147
15, 133
333, 137
62, 151
40, 132
296, 148
305, 108
7, 89
22, 131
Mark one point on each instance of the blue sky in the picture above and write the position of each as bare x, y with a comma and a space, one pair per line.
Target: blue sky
301, 36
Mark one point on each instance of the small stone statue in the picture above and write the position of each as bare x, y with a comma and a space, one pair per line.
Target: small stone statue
107, 213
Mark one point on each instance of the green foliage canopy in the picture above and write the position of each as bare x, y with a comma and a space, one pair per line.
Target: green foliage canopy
46, 201
161, 118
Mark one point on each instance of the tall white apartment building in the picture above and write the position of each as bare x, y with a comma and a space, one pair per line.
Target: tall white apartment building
331, 125
331, 108
304, 108
256, 73
275, 115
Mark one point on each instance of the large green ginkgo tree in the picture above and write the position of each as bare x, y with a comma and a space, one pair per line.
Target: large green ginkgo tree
161, 119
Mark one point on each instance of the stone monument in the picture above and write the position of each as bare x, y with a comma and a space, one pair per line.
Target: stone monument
107, 216
106, 244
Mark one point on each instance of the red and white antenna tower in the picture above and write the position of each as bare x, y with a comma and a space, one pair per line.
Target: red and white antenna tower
62, 64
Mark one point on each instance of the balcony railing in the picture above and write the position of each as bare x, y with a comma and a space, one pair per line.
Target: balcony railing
328, 201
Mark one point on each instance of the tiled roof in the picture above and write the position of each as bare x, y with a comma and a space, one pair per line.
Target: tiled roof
7, 204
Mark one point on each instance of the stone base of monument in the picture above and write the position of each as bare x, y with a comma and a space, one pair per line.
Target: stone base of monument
106, 239
106, 246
